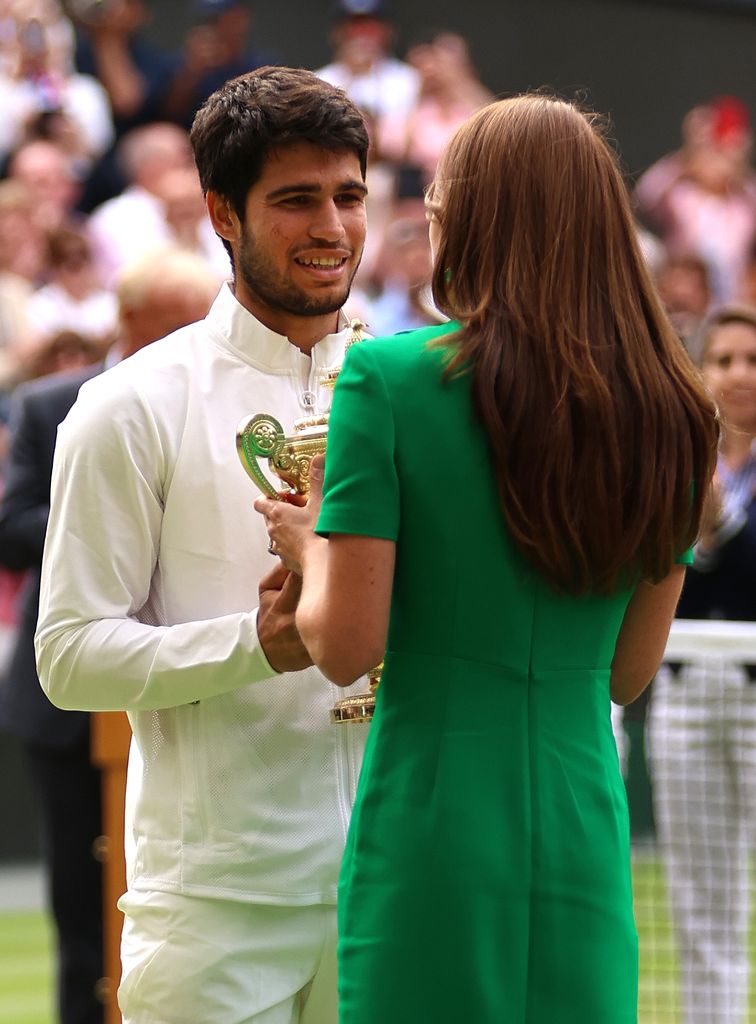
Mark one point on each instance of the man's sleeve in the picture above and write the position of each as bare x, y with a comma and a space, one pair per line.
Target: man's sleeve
101, 551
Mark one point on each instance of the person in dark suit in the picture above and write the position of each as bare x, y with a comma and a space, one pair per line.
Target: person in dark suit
56, 743
166, 290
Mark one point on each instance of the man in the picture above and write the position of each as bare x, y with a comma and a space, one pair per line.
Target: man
242, 788
155, 296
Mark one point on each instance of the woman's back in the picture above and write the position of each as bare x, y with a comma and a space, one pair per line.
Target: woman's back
491, 766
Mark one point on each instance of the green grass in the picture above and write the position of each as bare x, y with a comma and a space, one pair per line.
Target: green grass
26, 969
658, 1001
658, 996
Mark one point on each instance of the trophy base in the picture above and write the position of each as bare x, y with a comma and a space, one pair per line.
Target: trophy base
354, 709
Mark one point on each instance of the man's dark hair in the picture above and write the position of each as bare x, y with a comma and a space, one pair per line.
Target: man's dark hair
251, 116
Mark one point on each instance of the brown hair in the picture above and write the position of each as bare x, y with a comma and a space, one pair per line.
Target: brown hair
250, 117
602, 436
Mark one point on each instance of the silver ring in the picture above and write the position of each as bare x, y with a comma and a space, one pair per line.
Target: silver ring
271, 548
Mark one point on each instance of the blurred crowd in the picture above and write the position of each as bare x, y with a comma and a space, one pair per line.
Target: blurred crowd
96, 169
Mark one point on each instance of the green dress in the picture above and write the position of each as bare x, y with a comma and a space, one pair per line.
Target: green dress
486, 878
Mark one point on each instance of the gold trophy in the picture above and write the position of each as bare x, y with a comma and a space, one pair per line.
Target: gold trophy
289, 457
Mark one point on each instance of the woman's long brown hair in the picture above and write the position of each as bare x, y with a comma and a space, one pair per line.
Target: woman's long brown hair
602, 436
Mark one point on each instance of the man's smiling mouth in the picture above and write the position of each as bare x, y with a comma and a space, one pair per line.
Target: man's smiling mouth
321, 261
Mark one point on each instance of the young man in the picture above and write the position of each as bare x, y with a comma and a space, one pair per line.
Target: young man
240, 785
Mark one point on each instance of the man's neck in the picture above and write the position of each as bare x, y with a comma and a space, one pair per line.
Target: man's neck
304, 332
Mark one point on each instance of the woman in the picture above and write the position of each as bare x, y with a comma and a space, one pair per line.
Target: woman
504, 500
702, 728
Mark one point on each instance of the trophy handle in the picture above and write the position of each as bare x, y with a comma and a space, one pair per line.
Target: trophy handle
259, 437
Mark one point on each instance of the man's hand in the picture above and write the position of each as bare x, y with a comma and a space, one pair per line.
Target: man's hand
276, 629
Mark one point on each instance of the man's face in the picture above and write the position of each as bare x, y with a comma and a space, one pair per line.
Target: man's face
303, 234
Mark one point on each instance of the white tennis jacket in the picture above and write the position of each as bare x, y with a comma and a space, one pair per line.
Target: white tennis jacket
240, 788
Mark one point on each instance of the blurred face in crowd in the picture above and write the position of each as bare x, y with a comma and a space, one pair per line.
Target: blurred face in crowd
165, 308
361, 41
46, 171
729, 366
407, 253
302, 237
74, 269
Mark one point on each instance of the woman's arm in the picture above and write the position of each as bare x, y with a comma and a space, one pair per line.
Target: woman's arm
343, 610
643, 635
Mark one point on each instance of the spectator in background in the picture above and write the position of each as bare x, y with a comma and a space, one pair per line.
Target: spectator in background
124, 227
362, 37
450, 91
702, 198
702, 716
163, 290
43, 96
22, 245
15, 331
112, 45
47, 171
405, 300
683, 286
59, 352
73, 298
186, 220
215, 49
156, 296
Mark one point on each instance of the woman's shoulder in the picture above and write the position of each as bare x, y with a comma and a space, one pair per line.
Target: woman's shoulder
409, 347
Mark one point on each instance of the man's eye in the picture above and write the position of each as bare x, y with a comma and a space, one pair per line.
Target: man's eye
350, 198
296, 201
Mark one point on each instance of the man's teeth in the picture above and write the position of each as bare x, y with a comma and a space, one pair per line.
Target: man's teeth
322, 261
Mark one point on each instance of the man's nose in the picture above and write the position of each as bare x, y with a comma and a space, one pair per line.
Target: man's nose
327, 224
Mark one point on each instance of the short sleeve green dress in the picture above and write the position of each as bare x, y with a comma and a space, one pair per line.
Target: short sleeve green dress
486, 878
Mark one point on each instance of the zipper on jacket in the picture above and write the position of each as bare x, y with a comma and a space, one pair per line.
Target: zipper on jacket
310, 393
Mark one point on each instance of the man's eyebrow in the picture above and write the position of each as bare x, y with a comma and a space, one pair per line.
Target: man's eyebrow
352, 185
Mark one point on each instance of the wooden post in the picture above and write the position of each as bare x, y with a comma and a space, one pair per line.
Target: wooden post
110, 738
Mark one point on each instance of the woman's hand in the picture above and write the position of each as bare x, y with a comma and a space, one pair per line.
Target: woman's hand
291, 527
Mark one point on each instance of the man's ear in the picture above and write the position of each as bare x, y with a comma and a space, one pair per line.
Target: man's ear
223, 218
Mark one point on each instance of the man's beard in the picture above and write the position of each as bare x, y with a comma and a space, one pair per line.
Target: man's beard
277, 292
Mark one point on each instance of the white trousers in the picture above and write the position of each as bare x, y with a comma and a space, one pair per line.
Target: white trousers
188, 960
702, 752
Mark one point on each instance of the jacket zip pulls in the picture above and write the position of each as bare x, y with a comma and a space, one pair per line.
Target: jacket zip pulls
310, 396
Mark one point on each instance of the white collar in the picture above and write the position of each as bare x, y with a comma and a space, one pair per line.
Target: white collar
234, 326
